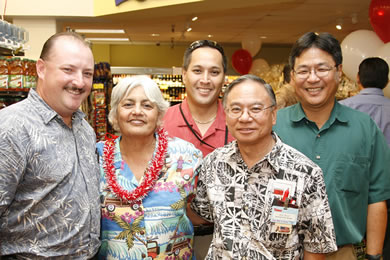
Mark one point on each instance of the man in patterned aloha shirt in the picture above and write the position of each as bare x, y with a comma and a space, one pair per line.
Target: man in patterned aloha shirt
266, 199
49, 175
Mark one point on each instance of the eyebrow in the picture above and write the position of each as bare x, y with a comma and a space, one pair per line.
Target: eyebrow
142, 101
316, 65
252, 104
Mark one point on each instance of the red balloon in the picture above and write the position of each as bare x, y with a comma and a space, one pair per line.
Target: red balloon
380, 18
242, 61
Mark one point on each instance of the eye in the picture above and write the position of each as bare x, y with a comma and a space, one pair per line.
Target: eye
148, 106
302, 72
128, 105
235, 110
215, 73
196, 71
323, 69
256, 110
88, 74
67, 70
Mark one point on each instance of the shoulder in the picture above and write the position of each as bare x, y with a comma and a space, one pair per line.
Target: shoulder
299, 159
354, 115
221, 153
287, 111
172, 111
175, 143
17, 117
100, 147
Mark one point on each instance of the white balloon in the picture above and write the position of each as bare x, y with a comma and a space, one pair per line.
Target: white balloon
357, 46
251, 43
259, 66
384, 53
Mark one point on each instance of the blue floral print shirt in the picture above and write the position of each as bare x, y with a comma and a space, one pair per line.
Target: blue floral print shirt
158, 227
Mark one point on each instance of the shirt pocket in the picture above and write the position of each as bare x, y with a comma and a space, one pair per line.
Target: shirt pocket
351, 175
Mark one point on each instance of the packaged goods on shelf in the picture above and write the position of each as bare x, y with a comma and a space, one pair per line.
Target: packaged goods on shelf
97, 106
17, 76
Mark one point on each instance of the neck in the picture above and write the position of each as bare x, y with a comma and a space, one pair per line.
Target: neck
203, 113
319, 115
137, 145
252, 153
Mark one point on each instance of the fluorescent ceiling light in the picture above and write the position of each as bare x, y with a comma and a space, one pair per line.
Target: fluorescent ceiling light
99, 31
194, 18
108, 39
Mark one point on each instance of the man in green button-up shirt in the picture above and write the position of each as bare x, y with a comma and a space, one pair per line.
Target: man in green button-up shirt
345, 143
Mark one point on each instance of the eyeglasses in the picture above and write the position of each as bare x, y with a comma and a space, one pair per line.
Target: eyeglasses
254, 111
206, 43
320, 72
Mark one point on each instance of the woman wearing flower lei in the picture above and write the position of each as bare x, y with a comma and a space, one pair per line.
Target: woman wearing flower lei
144, 193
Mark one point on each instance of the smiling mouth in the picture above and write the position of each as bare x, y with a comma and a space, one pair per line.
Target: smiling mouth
137, 121
204, 91
314, 90
245, 130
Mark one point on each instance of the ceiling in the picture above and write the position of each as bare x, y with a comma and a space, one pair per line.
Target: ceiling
229, 21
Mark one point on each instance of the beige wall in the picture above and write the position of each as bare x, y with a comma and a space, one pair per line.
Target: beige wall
50, 8
39, 31
165, 57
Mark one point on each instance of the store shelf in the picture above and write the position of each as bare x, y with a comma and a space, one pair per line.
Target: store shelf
9, 52
17, 92
144, 70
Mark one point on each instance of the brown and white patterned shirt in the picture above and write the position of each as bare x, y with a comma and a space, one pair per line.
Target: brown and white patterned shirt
49, 183
239, 201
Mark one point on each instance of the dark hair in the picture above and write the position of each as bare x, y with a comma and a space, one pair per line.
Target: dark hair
322, 41
286, 74
200, 44
374, 73
48, 46
254, 78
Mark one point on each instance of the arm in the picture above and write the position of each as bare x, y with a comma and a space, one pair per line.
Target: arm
12, 167
376, 227
312, 256
195, 218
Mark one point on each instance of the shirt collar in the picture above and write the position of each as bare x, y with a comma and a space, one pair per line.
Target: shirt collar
297, 113
45, 111
272, 157
371, 91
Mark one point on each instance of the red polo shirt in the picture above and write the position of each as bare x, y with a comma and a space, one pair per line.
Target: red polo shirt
215, 135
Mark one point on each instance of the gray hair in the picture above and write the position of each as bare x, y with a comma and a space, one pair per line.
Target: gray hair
254, 78
123, 88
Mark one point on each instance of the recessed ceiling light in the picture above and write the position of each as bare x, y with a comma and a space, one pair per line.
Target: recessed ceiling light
99, 31
155, 34
194, 18
108, 39
189, 29
339, 27
263, 37
210, 35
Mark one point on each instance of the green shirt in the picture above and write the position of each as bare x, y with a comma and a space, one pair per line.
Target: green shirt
354, 158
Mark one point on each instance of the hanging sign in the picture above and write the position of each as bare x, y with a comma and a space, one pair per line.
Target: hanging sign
118, 2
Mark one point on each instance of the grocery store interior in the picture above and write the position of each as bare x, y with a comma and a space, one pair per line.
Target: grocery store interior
130, 37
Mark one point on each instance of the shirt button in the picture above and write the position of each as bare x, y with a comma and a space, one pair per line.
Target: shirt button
318, 157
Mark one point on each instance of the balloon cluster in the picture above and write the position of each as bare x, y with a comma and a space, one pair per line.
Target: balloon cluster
242, 59
359, 45
362, 44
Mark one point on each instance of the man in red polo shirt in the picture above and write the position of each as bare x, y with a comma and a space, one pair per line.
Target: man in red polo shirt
200, 118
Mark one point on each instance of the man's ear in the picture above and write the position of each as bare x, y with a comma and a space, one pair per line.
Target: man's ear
41, 68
